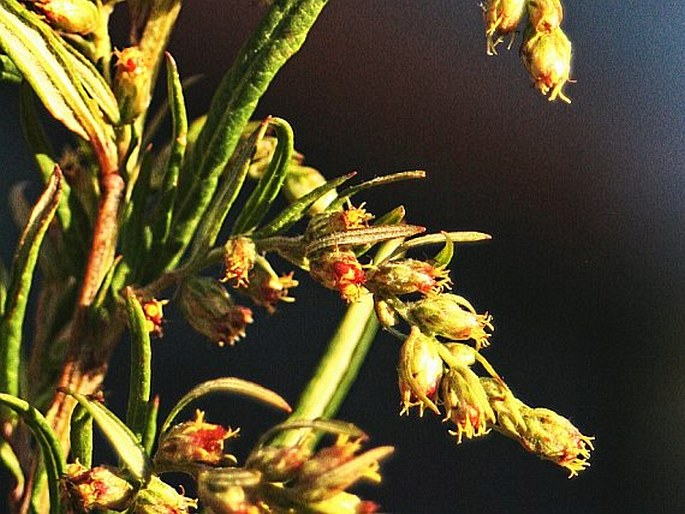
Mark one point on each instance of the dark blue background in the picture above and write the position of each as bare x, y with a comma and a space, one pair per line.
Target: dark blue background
585, 273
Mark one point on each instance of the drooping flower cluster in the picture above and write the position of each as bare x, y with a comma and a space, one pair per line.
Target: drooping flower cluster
545, 51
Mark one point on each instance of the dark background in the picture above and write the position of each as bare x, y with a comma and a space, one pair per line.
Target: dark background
585, 202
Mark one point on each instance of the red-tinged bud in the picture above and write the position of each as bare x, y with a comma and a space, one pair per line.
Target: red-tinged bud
132, 83
339, 270
547, 57
300, 181
240, 254
344, 503
154, 315
419, 372
193, 443
210, 310
70, 16
266, 289
450, 316
408, 276
466, 403
102, 487
160, 498
545, 15
501, 18
330, 222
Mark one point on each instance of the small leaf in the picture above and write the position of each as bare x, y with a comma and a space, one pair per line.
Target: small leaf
295, 211
121, 439
151, 429
433, 239
9, 73
363, 236
141, 366
229, 385
47, 440
375, 182
81, 436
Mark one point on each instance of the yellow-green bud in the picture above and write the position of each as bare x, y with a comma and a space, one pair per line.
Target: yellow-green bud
547, 57
407, 276
239, 257
132, 83
70, 16
160, 498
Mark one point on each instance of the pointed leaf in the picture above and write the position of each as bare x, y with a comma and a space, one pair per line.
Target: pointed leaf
375, 182
229, 385
444, 257
19, 285
433, 239
119, 436
81, 436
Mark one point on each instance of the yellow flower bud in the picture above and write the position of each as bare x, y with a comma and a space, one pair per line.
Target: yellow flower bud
501, 18
239, 257
407, 276
339, 270
547, 57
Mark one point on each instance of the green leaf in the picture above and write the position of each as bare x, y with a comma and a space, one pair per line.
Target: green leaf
228, 385
141, 366
278, 37
295, 211
268, 187
179, 136
19, 285
47, 440
151, 429
374, 182
433, 239
121, 439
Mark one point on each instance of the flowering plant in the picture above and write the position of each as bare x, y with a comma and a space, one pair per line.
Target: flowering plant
123, 228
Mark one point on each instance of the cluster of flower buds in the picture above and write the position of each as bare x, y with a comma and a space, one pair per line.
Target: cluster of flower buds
545, 51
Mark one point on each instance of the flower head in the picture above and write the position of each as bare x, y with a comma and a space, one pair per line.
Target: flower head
158, 497
466, 403
267, 289
545, 15
407, 276
154, 315
547, 57
339, 270
102, 487
419, 372
450, 316
132, 83
210, 310
501, 18
239, 259
194, 442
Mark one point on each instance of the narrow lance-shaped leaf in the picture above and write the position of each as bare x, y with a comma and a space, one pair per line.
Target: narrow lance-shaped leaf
229, 385
444, 256
279, 37
150, 432
141, 366
270, 184
294, 212
47, 440
119, 436
179, 141
19, 285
